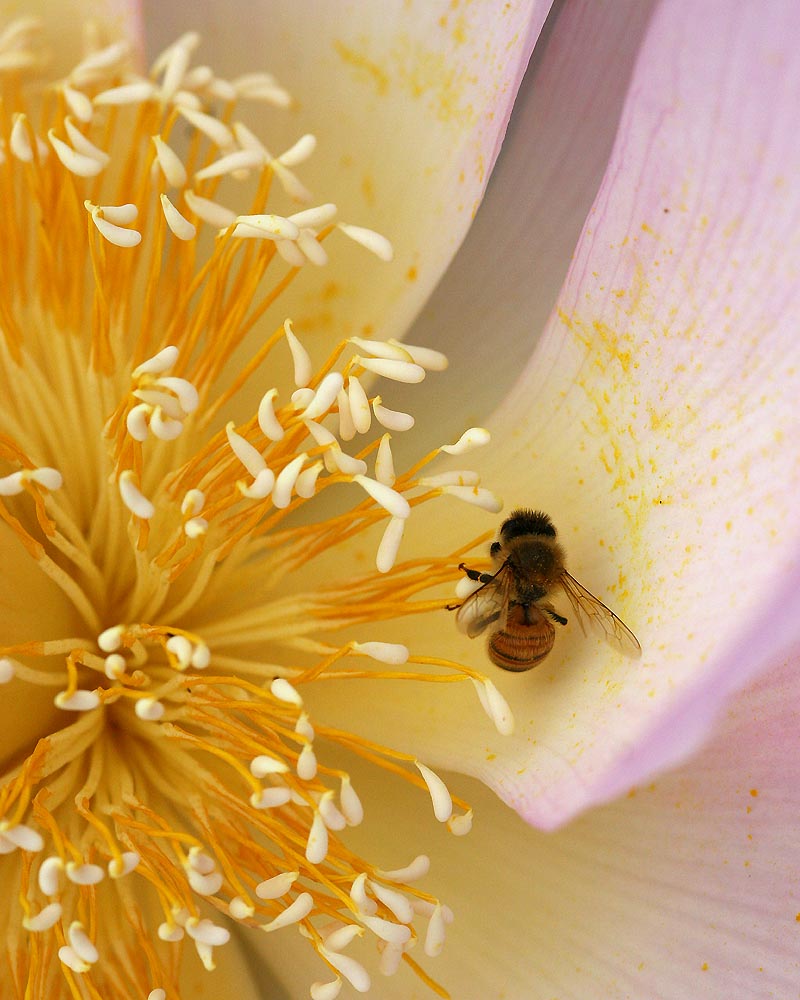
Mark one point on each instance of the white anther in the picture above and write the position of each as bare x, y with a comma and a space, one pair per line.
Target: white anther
390, 544
79, 701
267, 420
353, 971
474, 437
391, 956
391, 501
465, 587
310, 246
434, 937
290, 253
84, 874
19, 140
277, 886
50, 479
306, 484
303, 369
370, 240
240, 909
77, 163
163, 427
476, 496
157, 994
384, 463
297, 911
387, 930
46, 918
337, 938
205, 885
199, 861
81, 944
334, 819
347, 427
383, 652
119, 867
11, 485
303, 727
430, 360
78, 103
187, 394
72, 961
495, 706
201, 656
149, 709
440, 797
394, 901
193, 502
7, 668
350, 803
156, 397
267, 91
180, 226
359, 405
170, 163
307, 763
250, 457
397, 371
317, 843
127, 93
212, 212
418, 869
290, 183
136, 421
23, 837
51, 875
463, 477
82, 145
314, 218
214, 129
114, 666
391, 350
358, 893
265, 226
284, 691
159, 363
325, 396
207, 932
392, 420
175, 70
270, 798
181, 649
301, 398
326, 991
285, 480
115, 234
110, 639
120, 215
242, 159
264, 764
260, 488
170, 932
299, 152
461, 825
344, 463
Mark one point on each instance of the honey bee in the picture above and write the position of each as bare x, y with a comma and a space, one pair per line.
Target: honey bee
514, 599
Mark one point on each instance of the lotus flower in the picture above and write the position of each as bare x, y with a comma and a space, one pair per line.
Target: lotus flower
210, 661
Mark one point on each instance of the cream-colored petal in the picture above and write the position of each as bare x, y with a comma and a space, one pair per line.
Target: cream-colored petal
409, 104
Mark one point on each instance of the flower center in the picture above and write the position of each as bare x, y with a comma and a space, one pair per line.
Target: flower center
167, 516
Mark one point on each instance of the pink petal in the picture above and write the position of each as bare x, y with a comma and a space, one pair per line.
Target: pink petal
659, 414
409, 103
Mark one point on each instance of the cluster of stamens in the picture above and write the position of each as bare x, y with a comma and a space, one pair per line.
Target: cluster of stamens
187, 778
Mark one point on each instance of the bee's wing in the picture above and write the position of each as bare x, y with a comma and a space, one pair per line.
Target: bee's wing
485, 605
601, 619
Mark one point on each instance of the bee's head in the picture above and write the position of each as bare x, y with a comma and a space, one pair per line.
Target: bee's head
525, 522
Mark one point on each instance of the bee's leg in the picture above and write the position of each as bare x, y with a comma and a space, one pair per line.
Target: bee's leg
551, 611
475, 575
